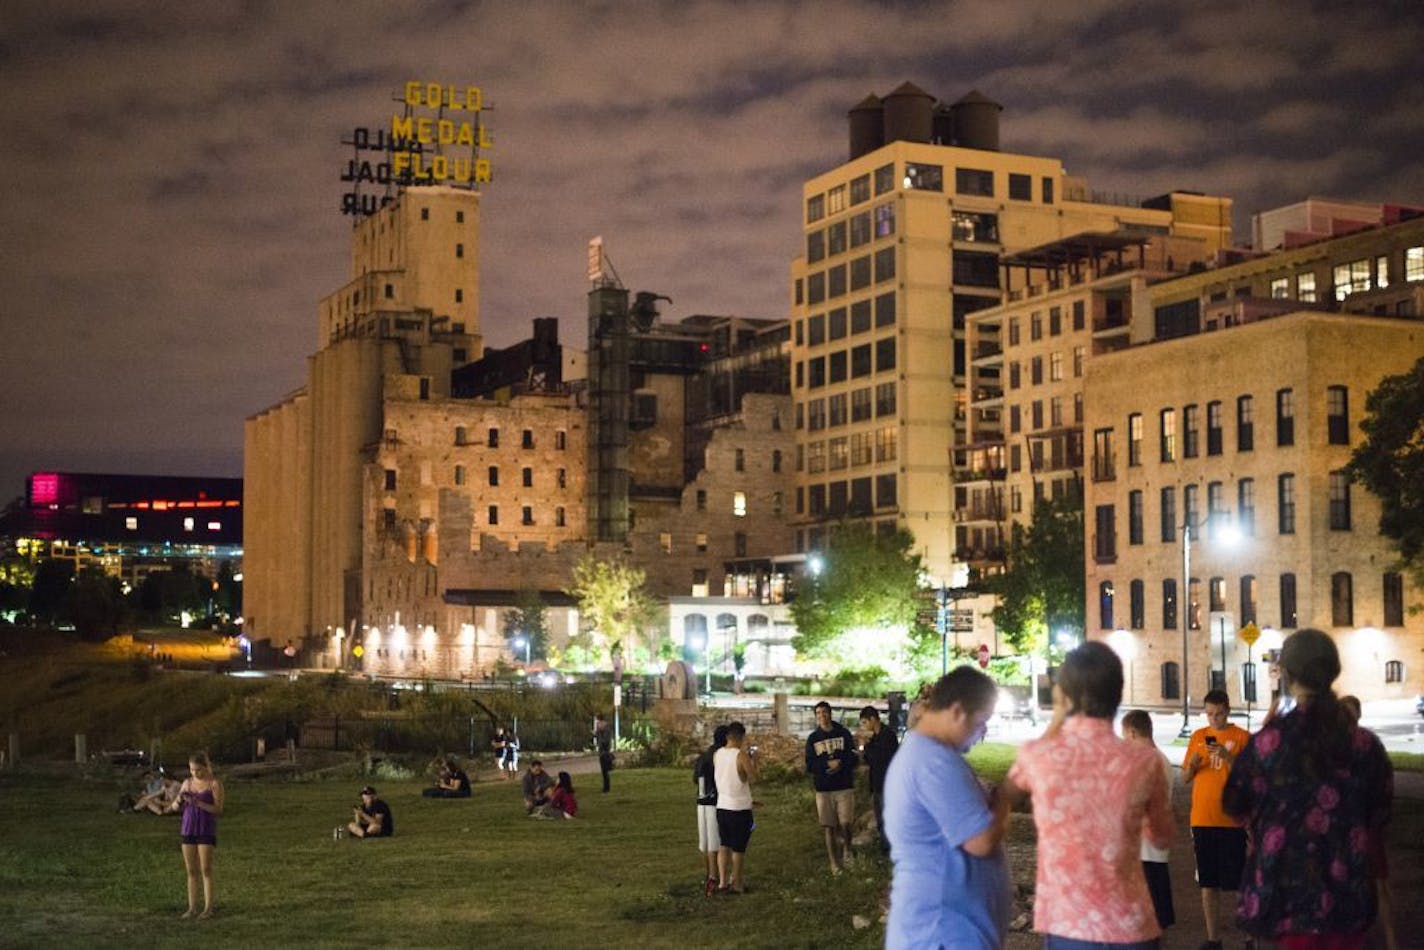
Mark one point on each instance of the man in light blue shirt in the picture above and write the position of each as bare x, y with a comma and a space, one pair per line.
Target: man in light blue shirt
951, 882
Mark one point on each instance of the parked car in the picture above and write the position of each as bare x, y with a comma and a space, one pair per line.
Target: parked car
1419, 706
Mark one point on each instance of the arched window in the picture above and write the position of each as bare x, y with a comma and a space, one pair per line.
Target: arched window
1171, 680
1394, 672
758, 625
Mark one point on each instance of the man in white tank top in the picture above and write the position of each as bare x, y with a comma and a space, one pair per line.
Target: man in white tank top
735, 768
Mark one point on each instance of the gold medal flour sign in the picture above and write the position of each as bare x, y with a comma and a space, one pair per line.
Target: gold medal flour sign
437, 138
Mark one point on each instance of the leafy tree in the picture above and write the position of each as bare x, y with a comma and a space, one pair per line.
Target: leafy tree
613, 603
867, 581
94, 604
1042, 586
1390, 461
528, 619
52, 580
163, 595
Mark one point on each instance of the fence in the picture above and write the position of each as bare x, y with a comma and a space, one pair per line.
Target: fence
427, 735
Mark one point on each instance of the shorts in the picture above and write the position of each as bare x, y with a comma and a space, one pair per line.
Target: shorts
734, 828
210, 840
1159, 885
1221, 856
707, 837
836, 809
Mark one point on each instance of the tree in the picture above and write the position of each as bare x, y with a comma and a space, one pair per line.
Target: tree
94, 604
868, 581
529, 620
1041, 588
1390, 461
613, 604
52, 580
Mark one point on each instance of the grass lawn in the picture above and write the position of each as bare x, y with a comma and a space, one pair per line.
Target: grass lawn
471, 872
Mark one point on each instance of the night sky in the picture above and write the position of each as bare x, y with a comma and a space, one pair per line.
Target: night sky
171, 193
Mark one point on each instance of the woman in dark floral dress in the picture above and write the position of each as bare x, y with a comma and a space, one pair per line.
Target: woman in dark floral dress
1313, 790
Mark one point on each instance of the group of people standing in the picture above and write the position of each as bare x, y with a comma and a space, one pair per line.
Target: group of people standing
1291, 817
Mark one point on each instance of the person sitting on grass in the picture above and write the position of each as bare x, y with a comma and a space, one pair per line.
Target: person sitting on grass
453, 781
562, 802
537, 785
372, 818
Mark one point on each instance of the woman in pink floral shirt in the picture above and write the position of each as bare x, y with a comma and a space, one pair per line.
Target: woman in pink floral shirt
1095, 796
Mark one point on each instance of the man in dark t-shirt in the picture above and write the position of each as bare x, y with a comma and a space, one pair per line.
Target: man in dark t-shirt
372, 818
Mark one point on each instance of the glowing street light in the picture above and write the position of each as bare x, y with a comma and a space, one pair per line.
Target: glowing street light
523, 642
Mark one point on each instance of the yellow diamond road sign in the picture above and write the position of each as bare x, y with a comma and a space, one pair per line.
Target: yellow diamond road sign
1250, 633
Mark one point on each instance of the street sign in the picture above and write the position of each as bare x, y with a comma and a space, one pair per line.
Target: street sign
983, 655
1250, 633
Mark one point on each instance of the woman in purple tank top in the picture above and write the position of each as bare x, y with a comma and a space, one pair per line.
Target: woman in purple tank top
201, 797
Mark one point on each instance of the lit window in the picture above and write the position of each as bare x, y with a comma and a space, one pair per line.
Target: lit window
187, 524
1414, 263
131, 523
1280, 287
739, 504
1305, 287
214, 525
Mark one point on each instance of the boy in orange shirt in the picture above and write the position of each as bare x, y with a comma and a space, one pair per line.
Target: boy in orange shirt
1219, 842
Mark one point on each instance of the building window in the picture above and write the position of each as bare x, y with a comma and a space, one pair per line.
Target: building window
885, 354
1169, 604
1134, 439
1246, 506
559, 516
861, 406
1105, 536
1105, 605
974, 227
1288, 615
1285, 503
885, 310
739, 504
1215, 508
493, 514
665, 542
836, 199
526, 440
1171, 680
1134, 517
1020, 188
527, 515
884, 264
1189, 505
1213, 428
1079, 352
815, 246
1285, 417
459, 474
701, 499
493, 440
561, 440
1414, 263
527, 477
1337, 415
389, 519
885, 491
974, 181
562, 478
494, 475
1394, 671
459, 295
1137, 608
1342, 599
390, 291
739, 460
459, 217
836, 238
815, 208
838, 367
1035, 375
461, 436
1103, 468
459, 250
1339, 501
1245, 424
1190, 420
1351, 278
1248, 599
859, 189
1169, 514
1393, 599
424, 388
1047, 190
775, 459
390, 479
425, 214
1216, 594
1168, 425
884, 220
1280, 288
1055, 367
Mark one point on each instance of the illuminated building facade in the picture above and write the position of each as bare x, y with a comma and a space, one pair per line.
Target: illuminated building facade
902, 243
1239, 411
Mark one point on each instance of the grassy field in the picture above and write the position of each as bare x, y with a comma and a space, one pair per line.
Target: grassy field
471, 872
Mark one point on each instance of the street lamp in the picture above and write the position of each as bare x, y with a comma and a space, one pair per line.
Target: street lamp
527, 645
1229, 534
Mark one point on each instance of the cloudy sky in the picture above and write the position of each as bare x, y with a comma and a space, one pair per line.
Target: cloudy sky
170, 215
